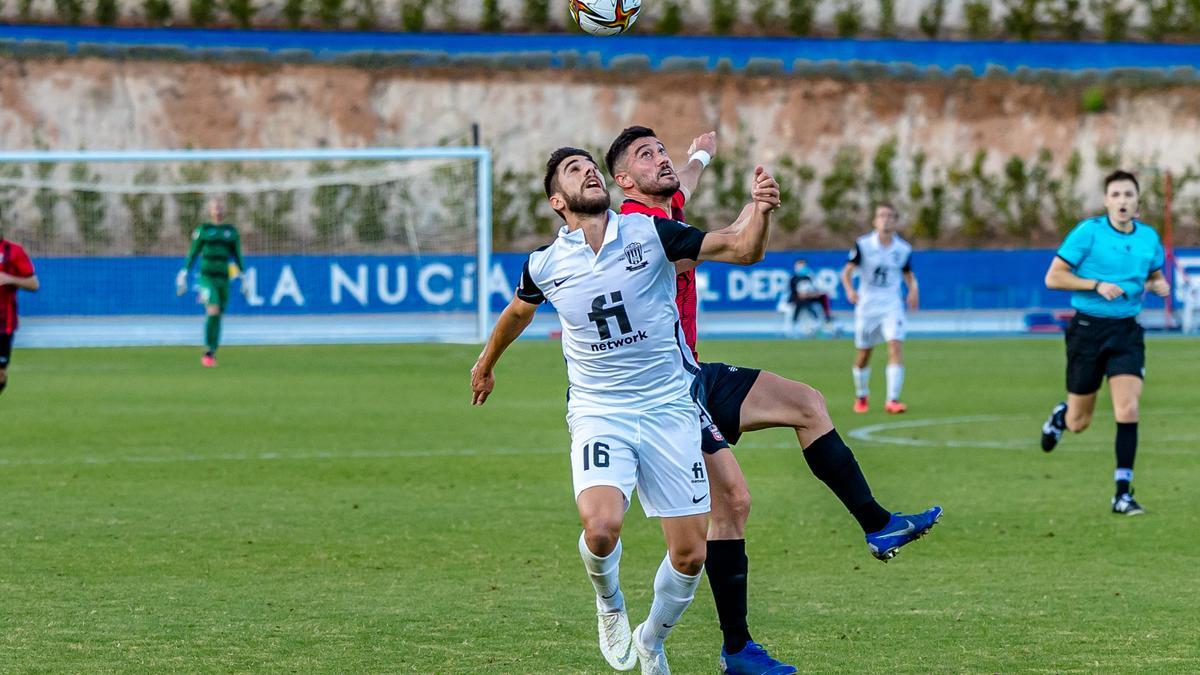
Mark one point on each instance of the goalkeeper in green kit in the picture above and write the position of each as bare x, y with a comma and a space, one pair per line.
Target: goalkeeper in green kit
219, 248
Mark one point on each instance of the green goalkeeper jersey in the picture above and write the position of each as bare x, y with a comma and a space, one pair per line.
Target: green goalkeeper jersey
216, 245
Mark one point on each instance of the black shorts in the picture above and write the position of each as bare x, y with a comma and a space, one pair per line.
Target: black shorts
6, 340
1097, 347
721, 389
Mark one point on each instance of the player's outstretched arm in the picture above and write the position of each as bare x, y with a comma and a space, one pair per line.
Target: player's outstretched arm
512, 322
1060, 277
703, 149
746, 244
848, 283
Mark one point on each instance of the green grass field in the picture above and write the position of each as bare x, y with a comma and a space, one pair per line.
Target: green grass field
343, 509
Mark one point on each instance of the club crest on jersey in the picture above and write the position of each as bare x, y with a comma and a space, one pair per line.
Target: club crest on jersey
633, 255
716, 433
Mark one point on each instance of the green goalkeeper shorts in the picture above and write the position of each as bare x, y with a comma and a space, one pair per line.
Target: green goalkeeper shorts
214, 291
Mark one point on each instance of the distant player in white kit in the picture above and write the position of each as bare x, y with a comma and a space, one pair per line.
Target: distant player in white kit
882, 259
630, 408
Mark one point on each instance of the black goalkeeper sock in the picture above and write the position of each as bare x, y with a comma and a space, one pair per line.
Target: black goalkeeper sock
3, 385
833, 462
726, 566
1127, 437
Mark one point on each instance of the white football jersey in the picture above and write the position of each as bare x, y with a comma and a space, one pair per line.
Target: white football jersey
880, 271
621, 336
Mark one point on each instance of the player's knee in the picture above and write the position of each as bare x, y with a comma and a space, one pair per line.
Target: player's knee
689, 559
1078, 422
601, 535
809, 406
1126, 411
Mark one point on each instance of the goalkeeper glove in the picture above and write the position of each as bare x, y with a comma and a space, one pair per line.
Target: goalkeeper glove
181, 282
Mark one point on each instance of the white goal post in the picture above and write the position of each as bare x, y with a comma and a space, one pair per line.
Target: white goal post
396, 239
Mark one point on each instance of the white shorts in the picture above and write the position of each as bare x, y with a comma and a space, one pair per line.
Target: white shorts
872, 327
658, 451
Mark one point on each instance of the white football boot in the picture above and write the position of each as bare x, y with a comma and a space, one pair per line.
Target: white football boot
653, 663
616, 640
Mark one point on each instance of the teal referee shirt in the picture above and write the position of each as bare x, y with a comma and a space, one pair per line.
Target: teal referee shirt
1097, 250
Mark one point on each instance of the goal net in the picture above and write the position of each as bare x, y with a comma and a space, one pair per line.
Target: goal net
373, 245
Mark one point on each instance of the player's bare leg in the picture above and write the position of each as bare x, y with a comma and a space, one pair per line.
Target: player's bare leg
212, 335
862, 379
1074, 414
3, 379
895, 378
1126, 393
602, 512
674, 587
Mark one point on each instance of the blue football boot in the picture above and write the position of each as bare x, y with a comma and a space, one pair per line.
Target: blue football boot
900, 530
753, 660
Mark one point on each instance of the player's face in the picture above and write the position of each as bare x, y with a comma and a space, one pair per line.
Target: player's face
885, 220
216, 211
581, 186
1121, 200
649, 167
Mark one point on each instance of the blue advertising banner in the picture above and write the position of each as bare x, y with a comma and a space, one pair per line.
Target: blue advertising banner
283, 285
565, 50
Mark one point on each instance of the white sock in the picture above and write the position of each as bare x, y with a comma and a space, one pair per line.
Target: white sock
605, 575
895, 381
862, 381
673, 592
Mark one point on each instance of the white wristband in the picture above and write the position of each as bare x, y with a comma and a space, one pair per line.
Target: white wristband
701, 156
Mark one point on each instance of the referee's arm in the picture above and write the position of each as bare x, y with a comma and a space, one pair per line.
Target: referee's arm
1060, 277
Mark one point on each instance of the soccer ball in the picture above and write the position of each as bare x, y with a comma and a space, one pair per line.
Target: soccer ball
605, 17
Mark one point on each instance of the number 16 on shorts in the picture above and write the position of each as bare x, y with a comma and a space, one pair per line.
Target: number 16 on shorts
603, 460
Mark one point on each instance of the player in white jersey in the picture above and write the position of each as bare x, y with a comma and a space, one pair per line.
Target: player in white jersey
882, 259
630, 407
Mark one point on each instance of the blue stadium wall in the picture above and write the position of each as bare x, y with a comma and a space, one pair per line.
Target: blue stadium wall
291, 285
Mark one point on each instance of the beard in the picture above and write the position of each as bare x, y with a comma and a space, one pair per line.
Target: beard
661, 187
588, 205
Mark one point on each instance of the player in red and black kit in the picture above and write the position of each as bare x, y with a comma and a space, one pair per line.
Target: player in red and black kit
744, 399
16, 272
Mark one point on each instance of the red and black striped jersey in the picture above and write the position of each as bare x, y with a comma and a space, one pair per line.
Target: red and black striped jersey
15, 262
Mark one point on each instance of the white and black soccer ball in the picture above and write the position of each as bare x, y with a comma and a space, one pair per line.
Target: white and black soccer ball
605, 17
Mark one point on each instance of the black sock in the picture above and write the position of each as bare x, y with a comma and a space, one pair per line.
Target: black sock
834, 463
1126, 451
3, 385
726, 567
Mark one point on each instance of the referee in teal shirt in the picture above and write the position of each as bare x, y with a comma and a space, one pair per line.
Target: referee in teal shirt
1108, 262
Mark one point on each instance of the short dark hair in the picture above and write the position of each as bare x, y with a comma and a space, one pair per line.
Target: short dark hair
884, 205
622, 143
558, 157
1119, 175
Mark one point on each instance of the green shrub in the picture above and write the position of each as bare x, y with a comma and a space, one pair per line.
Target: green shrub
801, 15
330, 12
537, 15
492, 20
671, 21
1093, 100
69, 11
106, 12
242, 11
366, 16
763, 15
293, 13
887, 18
881, 184
847, 20
1115, 17
1162, 18
202, 12
146, 212
977, 14
87, 206
412, 16
1066, 17
158, 12
838, 198
1022, 21
930, 20
723, 15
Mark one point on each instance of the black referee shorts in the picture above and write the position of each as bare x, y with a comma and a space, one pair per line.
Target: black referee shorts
1099, 347
721, 389
6, 340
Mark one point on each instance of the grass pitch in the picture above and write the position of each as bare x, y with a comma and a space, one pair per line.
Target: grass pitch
344, 509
